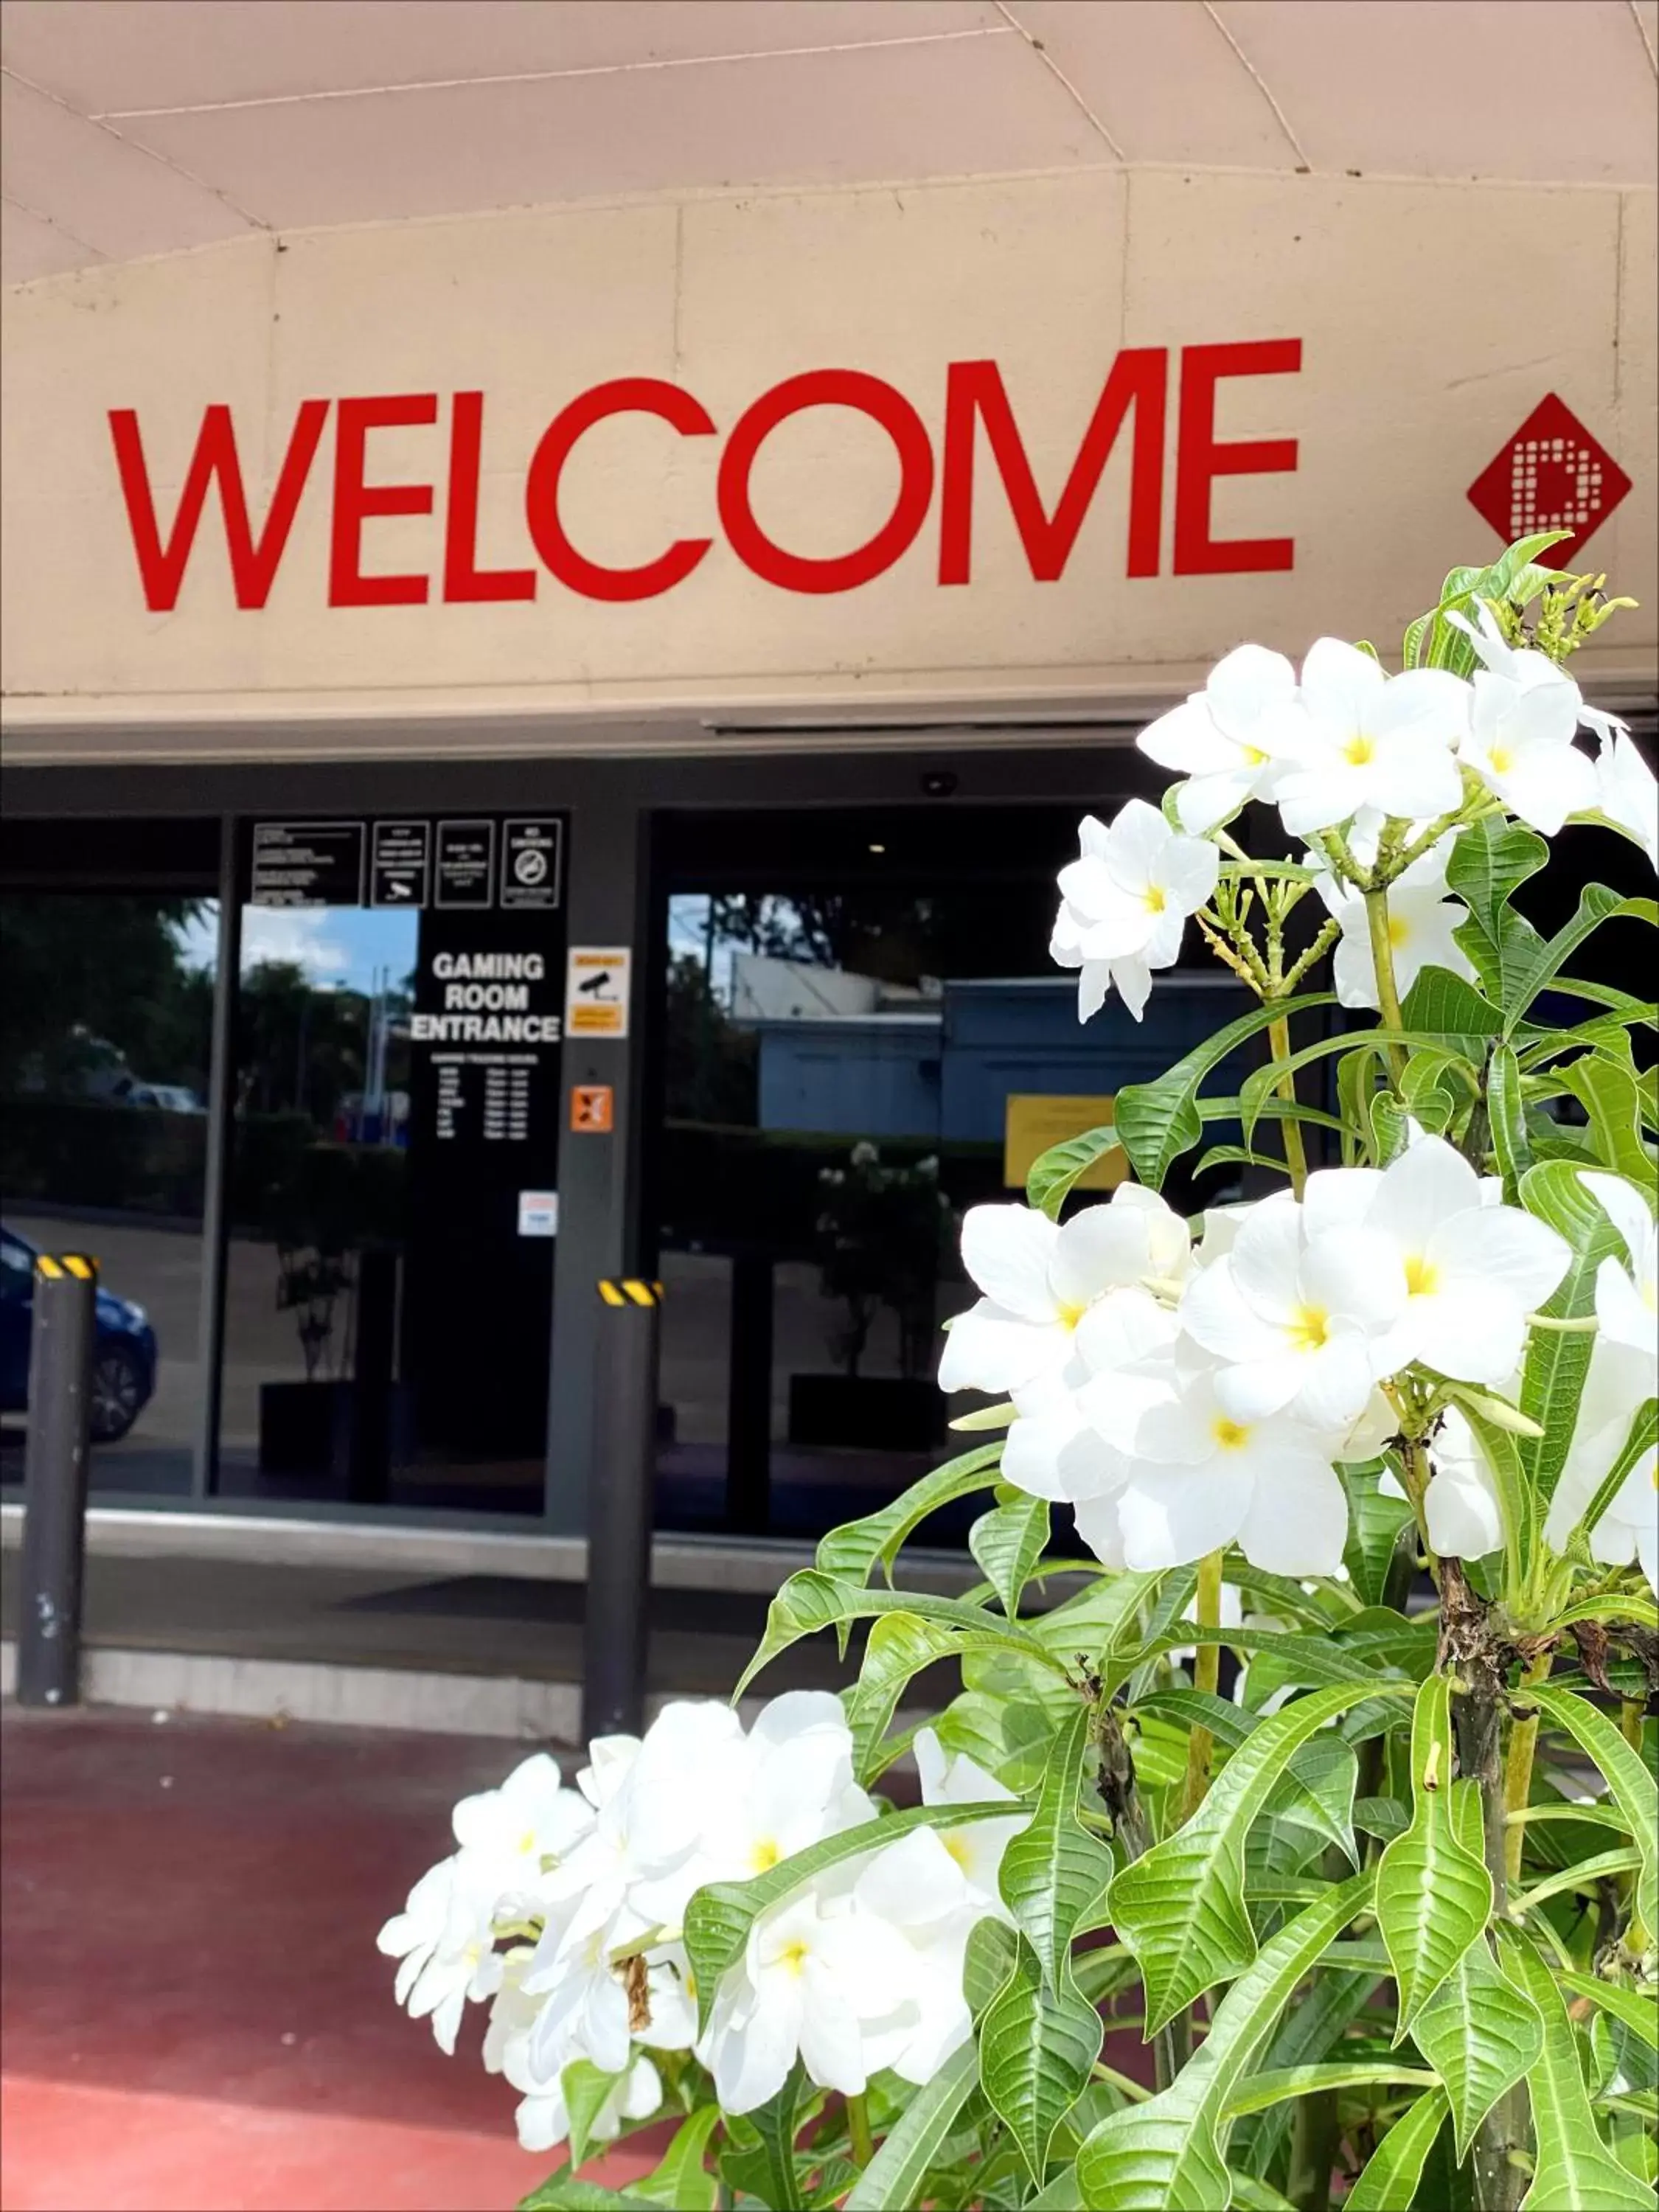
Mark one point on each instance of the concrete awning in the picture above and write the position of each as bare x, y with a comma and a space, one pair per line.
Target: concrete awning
142, 127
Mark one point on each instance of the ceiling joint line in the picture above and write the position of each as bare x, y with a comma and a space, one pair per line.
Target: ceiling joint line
136, 146
52, 222
1260, 82
558, 75
1059, 76
1642, 33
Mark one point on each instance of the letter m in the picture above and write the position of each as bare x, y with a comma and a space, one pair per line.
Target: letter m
975, 393
253, 561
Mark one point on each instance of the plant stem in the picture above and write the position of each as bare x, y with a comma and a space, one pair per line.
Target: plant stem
1296, 1158
1388, 992
1313, 2151
857, 2129
1136, 2092
1207, 1673
1518, 1773
1116, 1784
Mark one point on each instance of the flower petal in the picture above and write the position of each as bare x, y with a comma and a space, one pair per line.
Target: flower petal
1171, 1516
1007, 1250
989, 1348
1298, 1519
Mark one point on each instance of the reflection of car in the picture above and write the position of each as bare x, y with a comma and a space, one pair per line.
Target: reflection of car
124, 1355
166, 1097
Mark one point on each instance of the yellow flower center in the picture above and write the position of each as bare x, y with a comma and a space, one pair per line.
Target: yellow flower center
1230, 1435
956, 1845
1358, 750
765, 1855
793, 1958
526, 1843
1501, 760
1420, 1278
1398, 931
1310, 1327
1253, 758
1153, 899
1069, 1316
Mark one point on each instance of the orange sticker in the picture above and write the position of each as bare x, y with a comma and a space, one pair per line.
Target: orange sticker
592, 1107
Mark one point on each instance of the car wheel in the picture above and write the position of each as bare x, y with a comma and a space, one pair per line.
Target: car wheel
118, 1395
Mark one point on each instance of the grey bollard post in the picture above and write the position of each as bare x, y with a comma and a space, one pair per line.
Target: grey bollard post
620, 1483
65, 1327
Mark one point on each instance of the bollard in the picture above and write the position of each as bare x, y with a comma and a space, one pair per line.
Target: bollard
614, 1634
65, 1327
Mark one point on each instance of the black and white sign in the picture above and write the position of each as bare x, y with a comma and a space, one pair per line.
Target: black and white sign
529, 863
307, 864
400, 864
467, 864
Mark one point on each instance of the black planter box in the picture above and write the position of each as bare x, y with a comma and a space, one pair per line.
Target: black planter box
871, 1413
305, 1428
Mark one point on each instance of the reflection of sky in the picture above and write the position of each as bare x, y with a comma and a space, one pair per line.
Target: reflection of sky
335, 945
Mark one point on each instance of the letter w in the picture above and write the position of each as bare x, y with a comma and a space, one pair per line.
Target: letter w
1140, 379
253, 562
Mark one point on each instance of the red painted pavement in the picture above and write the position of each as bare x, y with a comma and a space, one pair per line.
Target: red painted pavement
193, 2016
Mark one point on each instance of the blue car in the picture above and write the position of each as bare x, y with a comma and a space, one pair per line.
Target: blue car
124, 1355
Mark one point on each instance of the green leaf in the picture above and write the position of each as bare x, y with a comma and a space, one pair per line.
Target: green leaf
1434, 1896
1277, 2085
719, 1915
1570, 2167
988, 1962
1007, 1543
584, 2090
1626, 1776
812, 1600
1180, 1908
900, 1645
1507, 1112
1634, 2009
682, 2183
1480, 2035
856, 1548
1166, 2156
567, 2191
1441, 1004
1054, 1173
1253, 1089
1037, 2045
892, 2180
1377, 1523
1054, 1870
1558, 1360
1605, 1087
1316, 1789
1310, 2030
761, 2159
1156, 1123
1523, 981
1389, 2181
1489, 862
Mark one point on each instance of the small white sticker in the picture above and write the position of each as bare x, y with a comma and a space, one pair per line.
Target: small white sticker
538, 1214
596, 991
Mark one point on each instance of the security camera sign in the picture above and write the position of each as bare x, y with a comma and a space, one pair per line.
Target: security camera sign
596, 991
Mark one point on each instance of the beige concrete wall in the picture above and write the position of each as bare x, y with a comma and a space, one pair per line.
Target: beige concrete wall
1433, 319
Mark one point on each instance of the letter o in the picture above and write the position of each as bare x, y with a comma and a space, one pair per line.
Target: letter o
827, 387
623, 395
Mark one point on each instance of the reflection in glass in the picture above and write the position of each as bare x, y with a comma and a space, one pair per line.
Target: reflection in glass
105, 1036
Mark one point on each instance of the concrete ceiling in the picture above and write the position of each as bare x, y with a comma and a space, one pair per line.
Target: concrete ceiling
138, 127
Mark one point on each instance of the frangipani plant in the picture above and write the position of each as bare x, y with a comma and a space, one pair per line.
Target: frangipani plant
1380, 1442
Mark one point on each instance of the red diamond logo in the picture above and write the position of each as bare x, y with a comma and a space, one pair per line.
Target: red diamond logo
1551, 475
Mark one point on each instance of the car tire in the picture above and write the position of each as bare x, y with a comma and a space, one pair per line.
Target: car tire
117, 1394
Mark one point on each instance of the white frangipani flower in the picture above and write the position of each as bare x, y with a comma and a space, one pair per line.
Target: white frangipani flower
977, 1848
815, 1976
444, 1941
1626, 793
1473, 1268
795, 1788
1196, 1479
1052, 1449
1040, 1279
1627, 1298
1459, 1507
1619, 1381
918, 1893
1421, 920
1295, 1320
1226, 738
1520, 737
1124, 903
1368, 739
529, 1821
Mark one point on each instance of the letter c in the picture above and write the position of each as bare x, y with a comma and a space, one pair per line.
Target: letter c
623, 395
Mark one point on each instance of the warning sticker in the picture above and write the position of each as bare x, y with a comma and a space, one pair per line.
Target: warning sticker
596, 991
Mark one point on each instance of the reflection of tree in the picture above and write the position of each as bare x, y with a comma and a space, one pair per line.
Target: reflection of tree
709, 1063
98, 986
871, 930
301, 1048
